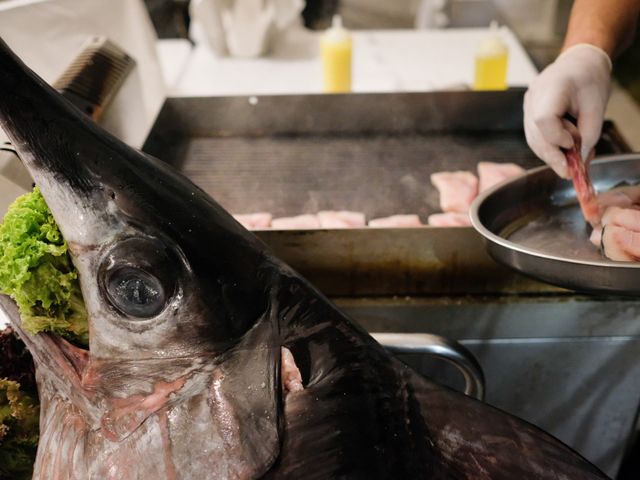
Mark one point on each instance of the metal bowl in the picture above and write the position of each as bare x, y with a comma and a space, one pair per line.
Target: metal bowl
533, 224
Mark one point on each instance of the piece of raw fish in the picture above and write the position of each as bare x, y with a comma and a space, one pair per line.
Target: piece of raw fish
451, 219
457, 190
596, 235
188, 315
396, 221
254, 221
624, 197
341, 219
619, 231
301, 222
492, 173
582, 183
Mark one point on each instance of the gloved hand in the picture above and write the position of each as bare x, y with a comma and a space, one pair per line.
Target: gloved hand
577, 83
619, 232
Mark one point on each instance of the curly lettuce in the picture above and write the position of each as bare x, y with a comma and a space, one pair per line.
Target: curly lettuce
37, 272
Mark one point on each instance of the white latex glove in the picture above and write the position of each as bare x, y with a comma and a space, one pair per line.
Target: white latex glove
577, 83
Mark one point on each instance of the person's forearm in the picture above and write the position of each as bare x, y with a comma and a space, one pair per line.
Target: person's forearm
608, 24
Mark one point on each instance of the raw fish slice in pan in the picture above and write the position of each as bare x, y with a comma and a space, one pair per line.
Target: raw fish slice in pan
585, 191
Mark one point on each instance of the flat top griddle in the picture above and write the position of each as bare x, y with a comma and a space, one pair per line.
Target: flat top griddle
533, 224
371, 153
379, 175
366, 152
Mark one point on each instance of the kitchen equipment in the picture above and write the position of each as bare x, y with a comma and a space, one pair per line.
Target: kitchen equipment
90, 83
95, 75
534, 224
564, 361
281, 153
372, 153
439, 347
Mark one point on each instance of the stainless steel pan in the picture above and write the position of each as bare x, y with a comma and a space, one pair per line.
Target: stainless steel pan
534, 225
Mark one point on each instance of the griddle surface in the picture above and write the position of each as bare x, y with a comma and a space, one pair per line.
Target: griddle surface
377, 175
372, 153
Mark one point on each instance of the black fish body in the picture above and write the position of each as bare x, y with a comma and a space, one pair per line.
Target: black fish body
190, 316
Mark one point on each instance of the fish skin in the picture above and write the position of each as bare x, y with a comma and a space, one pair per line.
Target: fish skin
193, 391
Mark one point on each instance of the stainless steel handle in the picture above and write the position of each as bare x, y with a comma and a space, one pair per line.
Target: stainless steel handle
437, 346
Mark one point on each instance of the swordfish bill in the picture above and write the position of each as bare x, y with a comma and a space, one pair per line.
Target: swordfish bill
209, 358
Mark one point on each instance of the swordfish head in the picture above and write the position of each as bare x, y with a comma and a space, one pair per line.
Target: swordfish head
182, 377
209, 358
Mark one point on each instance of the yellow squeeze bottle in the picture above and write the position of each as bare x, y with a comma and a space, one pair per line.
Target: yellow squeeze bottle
336, 47
491, 62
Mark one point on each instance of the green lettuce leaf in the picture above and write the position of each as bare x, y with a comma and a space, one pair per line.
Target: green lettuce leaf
36, 271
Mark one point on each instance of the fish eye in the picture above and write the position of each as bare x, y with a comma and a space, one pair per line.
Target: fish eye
135, 292
138, 276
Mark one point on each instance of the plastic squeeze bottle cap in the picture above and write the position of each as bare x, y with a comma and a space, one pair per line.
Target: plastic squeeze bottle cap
337, 33
492, 45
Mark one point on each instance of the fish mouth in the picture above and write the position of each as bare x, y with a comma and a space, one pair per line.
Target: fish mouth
59, 364
76, 357
48, 349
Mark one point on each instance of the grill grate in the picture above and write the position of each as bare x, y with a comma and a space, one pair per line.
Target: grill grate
377, 175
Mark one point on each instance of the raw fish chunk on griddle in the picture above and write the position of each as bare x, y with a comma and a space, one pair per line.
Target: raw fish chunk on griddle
457, 190
450, 219
299, 222
396, 221
254, 221
341, 219
492, 173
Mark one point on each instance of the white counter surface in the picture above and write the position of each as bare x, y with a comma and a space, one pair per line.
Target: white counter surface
384, 61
